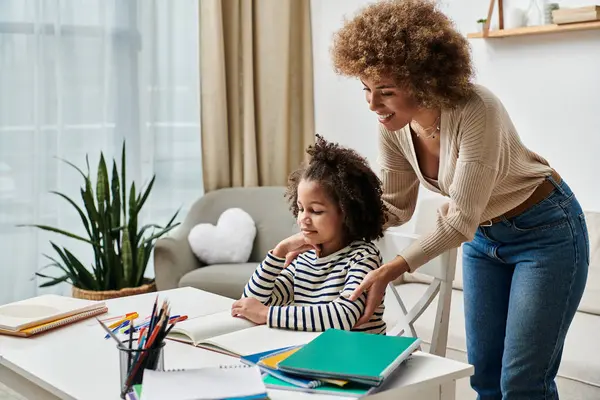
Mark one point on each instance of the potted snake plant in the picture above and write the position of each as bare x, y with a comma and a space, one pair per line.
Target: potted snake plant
121, 248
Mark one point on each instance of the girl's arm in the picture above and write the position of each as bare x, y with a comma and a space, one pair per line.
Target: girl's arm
271, 283
340, 313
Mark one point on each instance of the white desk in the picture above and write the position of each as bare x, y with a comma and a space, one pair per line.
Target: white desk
76, 362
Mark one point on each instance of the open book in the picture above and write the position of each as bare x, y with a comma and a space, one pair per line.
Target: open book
235, 336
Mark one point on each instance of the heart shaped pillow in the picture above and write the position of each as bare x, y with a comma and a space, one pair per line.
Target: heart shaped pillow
230, 241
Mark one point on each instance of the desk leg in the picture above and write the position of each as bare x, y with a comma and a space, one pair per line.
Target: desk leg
448, 391
24, 387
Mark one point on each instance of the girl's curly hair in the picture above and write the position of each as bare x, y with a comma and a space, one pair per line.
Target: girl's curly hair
412, 42
351, 183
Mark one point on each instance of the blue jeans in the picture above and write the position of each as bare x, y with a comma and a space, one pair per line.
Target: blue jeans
523, 280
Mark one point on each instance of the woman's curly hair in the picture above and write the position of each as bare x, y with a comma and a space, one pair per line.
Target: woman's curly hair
351, 183
412, 42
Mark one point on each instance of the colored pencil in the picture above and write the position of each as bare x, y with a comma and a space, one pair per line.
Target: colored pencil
151, 338
109, 332
130, 347
153, 312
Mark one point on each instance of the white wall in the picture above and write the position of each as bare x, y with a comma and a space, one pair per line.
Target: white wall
550, 85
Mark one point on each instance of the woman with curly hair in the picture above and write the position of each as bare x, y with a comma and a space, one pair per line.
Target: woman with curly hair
305, 281
525, 253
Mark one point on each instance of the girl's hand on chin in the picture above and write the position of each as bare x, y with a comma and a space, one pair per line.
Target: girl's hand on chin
293, 246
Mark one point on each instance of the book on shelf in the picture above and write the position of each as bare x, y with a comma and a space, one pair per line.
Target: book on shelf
234, 336
39, 314
338, 354
573, 15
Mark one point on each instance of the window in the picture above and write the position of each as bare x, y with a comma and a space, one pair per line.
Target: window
78, 77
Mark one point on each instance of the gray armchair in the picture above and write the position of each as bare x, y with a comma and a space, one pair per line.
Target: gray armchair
176, 266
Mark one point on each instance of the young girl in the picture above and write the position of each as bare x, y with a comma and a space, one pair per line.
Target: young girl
305, 281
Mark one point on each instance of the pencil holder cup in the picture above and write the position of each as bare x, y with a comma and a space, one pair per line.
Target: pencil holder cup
133, 361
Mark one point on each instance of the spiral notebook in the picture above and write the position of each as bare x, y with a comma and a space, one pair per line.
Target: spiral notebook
39, 310
350, 390
205, 384
48, 326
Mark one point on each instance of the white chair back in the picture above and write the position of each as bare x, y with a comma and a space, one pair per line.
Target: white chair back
439, 272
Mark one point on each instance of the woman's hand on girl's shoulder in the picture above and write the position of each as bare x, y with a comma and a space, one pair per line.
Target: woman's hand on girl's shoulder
375, 285
292, 247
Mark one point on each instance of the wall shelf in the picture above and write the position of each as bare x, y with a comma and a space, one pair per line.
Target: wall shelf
537, 30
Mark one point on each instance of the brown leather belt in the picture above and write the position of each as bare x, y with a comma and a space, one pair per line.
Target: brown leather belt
540, 193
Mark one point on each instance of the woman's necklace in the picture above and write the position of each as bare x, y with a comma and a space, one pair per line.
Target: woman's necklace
435, 126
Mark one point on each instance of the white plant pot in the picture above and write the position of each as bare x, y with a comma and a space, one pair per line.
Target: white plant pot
515, 18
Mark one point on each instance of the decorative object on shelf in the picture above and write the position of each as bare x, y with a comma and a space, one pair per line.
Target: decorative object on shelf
515, 19
481, 22
537, 30
548, 9
574, 15
121, 249
565, 20
535, 15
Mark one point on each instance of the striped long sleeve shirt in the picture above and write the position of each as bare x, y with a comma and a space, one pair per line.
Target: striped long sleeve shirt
311, 294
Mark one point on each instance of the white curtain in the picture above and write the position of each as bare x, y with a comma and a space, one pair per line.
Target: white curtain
78, 77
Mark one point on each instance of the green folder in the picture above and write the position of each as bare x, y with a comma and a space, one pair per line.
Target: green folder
349, 390
360, 357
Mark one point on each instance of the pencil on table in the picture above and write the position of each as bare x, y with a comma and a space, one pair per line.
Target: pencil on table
153, 312
130, 346
110, 332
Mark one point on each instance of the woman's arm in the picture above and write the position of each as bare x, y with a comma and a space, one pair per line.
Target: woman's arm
340, 313
271, 283
474, 179
399, 180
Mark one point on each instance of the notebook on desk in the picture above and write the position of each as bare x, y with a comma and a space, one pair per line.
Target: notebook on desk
42, 313
262, 360
271, 362
48, 326
351, 390
239, 382
348, 355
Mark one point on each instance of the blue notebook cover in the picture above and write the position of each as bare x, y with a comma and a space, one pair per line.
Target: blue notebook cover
295, 380
253, 359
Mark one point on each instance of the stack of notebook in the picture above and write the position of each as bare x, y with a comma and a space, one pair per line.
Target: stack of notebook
43, 313
338, 362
